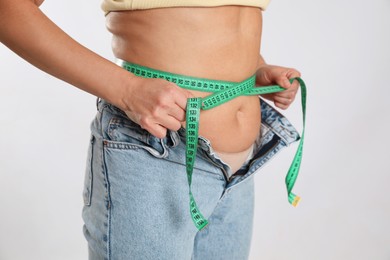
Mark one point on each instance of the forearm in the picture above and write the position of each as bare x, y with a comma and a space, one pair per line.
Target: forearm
30, 34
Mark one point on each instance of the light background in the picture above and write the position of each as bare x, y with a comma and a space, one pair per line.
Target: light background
342, 49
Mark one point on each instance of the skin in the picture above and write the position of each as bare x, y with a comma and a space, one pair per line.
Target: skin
219, 43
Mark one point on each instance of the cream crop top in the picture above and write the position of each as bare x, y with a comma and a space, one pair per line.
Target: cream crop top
122, 5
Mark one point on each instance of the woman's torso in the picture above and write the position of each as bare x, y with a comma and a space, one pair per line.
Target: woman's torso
221, 43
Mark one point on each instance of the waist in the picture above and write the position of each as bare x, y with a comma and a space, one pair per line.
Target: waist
230, 127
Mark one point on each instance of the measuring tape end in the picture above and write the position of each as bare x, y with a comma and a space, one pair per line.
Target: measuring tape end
293, 199
296, 201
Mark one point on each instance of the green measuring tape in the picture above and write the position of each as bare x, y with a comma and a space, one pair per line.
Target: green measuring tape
223, 91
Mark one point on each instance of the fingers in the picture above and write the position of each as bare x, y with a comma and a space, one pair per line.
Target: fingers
157, 130
283, 79
181, 96
160, 126
283, 102
178, 113
171, 101
158, 106
281, 76
284, 99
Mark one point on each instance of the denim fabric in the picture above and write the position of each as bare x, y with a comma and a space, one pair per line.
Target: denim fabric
136, 203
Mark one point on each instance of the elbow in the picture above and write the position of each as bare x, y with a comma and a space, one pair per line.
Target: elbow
38, 2
4, 4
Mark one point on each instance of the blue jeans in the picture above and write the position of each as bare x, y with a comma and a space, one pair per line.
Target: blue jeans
136, 203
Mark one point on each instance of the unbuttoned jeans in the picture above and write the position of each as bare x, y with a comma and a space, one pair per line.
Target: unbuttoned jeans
136, 202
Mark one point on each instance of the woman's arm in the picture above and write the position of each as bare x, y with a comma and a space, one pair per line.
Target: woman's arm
157, 105
30, 34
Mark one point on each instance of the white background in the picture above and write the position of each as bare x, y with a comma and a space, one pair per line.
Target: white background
342, 49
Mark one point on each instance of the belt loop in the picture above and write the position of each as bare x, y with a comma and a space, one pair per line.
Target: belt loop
174, 138
98, 100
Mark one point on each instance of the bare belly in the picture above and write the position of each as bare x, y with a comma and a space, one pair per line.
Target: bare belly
221, 43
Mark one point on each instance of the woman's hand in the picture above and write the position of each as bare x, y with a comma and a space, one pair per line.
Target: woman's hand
271, 75
156, 105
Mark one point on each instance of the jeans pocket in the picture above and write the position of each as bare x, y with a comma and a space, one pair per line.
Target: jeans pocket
87, 191
125, 134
